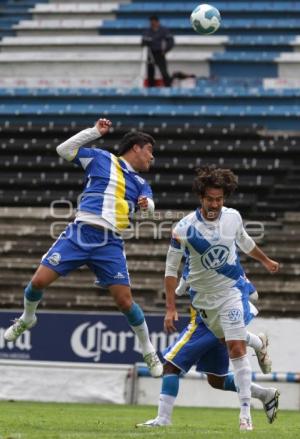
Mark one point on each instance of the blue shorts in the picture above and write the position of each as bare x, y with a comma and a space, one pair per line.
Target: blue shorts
101, 250
196, 345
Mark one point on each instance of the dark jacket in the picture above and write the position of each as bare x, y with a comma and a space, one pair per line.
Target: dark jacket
158, 41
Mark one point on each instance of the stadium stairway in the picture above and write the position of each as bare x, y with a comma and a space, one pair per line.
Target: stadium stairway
13, 11
210, 103
26, 234
257, 39
31, 173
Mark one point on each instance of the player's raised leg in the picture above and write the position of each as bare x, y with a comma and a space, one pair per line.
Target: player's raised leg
135, 317
269, 396
260, 344
33, 293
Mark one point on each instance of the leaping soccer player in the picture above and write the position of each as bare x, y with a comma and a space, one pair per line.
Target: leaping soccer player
113, 191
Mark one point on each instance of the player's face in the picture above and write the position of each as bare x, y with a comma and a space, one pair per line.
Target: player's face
212, 203
144, 157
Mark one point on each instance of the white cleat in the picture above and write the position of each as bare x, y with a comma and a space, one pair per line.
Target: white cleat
18, 327
271, 404
154, 365
246, 424
264, 361
157, 422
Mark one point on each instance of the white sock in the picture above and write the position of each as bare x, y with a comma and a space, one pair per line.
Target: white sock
254, 341
29, 310
143, 336
242, 379
258, 392
165, 407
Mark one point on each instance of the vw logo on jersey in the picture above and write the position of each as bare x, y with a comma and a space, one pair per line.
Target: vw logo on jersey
235, 315
215, 257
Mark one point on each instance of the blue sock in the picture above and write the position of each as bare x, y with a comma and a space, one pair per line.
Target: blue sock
32, 297
135, 315
32, 294
170, 385
229, 383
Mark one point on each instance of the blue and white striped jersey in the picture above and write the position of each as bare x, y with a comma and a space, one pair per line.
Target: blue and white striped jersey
213, 263
112, 187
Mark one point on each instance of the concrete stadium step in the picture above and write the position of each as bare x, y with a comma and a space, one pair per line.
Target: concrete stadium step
69, 10
150, 269
280, 287
280, 308
88, 65
85, 302
287, 269
291, 217
285, 236
155, 249
73, 283
288, 65
65, 24
106, 44
22, 263
52, 231
266, 307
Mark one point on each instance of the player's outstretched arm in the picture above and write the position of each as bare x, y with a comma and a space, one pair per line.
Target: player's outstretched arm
248, 246
103, 126
69, 148
270, 265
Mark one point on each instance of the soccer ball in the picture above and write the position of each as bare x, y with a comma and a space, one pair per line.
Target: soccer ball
205, 19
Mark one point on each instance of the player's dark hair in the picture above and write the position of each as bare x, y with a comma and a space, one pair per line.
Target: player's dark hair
134, 138
154, 18
217, 178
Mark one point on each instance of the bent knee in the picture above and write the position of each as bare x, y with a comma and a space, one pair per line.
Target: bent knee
237, 351
38, 282
169, 368
124, 304
215, 381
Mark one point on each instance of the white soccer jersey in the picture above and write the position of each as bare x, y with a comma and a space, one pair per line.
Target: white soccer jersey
214, 268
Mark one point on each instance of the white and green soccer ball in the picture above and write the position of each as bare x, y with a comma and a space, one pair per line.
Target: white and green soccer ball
205, 19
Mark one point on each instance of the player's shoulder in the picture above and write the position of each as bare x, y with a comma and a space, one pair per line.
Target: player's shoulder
101, 152
185, 223
140, 180
228, 213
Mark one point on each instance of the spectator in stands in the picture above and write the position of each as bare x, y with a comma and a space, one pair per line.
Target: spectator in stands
159, 41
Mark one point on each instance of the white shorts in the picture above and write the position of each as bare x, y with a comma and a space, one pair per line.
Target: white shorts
229, 320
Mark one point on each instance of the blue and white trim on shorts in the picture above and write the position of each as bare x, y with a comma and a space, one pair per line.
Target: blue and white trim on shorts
82, 244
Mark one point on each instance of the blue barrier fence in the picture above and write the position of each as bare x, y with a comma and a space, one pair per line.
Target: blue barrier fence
280, 377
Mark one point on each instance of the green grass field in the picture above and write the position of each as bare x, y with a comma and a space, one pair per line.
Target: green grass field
91, 421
